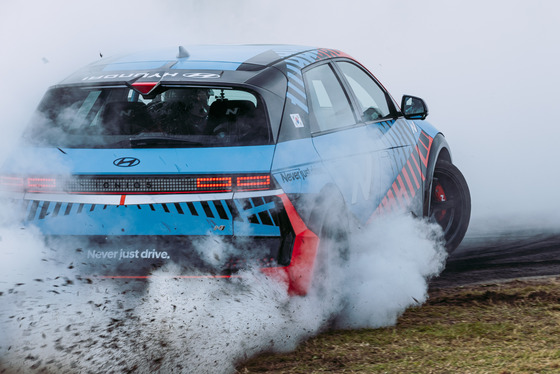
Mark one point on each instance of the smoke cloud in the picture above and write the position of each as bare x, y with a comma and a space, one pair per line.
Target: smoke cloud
60, 322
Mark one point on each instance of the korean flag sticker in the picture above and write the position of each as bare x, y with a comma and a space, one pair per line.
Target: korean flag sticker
296, 119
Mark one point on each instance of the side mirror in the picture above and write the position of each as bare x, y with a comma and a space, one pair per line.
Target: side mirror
414, 107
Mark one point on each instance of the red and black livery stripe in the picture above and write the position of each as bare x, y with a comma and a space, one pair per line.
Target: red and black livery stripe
409, 180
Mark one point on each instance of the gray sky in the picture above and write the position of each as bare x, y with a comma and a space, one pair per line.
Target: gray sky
487, 69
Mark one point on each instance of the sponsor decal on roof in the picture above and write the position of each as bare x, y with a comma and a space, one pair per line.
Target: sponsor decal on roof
153, 75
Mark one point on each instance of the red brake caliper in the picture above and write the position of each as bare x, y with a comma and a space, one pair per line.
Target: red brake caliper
439, 196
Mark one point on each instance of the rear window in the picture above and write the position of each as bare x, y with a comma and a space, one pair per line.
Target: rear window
120, 117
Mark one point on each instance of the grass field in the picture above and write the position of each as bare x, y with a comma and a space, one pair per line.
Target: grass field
505, 328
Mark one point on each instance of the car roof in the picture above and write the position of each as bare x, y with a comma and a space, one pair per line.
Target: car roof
195, 58
208, 57
196, 64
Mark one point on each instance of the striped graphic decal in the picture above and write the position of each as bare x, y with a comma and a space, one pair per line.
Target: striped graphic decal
248, 216
296, 88
409, 180
294, 65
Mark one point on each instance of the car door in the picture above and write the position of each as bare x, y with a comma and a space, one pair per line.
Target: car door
399, 176
350, 154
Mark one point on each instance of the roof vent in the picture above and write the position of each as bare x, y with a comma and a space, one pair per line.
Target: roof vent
182, 52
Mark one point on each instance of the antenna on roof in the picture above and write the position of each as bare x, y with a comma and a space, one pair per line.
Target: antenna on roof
182, 52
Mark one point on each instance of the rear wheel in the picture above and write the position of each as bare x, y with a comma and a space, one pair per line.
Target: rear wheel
332, 254
450, 203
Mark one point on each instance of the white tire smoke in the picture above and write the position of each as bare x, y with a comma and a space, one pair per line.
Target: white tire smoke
58, 323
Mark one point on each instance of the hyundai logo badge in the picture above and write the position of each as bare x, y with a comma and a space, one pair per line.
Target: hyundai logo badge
126, 162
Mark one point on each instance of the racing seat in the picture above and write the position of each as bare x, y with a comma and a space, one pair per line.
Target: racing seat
125, 118
238, 118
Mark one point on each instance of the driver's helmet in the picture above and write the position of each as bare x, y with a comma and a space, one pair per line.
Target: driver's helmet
187, 95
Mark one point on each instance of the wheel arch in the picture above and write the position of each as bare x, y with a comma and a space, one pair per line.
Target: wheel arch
439, 151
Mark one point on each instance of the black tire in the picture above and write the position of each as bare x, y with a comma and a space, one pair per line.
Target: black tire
450, 203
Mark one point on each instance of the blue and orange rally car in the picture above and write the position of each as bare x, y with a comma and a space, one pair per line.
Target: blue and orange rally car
268, 149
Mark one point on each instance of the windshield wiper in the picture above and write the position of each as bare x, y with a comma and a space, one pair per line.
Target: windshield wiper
158, 140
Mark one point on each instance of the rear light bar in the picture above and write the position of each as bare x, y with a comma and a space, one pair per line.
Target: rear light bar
137, 184
14, 182
221, 182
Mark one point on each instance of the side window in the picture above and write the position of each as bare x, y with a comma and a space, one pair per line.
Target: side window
330, 108
372, 99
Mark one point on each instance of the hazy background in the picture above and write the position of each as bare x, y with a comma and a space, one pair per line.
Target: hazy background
487, 69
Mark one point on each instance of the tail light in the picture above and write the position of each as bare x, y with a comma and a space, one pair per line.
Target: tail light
255, 182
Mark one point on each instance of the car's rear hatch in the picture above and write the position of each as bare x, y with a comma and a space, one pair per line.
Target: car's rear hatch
124, 212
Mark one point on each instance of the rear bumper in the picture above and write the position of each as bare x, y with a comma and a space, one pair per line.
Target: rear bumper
190, 238
217, 214
299, 273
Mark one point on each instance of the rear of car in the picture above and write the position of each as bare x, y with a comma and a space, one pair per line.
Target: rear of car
148, 159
